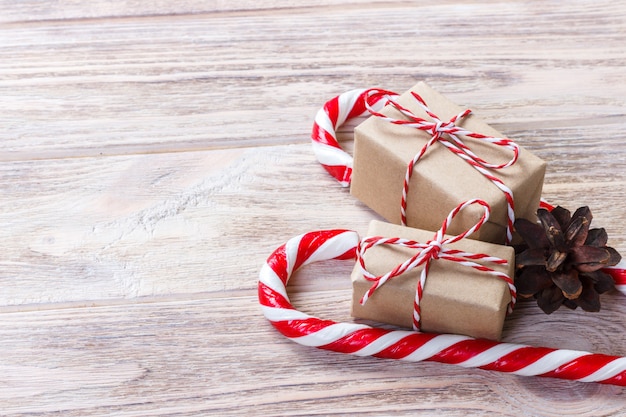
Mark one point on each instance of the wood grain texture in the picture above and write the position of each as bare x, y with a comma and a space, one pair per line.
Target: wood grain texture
99, 228
199, 358
153, 154
64, 84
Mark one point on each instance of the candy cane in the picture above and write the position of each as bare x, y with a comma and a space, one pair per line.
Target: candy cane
363, 340
336, 112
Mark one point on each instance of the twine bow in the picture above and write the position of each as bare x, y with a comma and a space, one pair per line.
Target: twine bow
448, 134
432, 250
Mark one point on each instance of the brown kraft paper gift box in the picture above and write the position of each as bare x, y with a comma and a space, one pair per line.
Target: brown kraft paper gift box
441, 180
457, 299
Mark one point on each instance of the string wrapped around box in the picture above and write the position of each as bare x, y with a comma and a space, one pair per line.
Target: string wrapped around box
339, 164
424, 154
413, 346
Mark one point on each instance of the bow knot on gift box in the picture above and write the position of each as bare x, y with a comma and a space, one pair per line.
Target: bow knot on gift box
433, 249
388, 152
450, 135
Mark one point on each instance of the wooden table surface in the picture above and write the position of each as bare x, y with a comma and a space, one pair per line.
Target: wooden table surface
153, 154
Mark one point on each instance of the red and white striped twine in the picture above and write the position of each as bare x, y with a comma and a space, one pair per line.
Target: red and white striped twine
359, 102
363, 340
426, 252
447, 133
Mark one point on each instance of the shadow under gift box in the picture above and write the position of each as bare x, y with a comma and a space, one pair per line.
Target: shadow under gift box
441, 180
457, 299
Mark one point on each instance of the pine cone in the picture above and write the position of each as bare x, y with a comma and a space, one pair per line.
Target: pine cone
561, 260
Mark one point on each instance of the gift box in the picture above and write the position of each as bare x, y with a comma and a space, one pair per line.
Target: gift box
441, 179
456, 299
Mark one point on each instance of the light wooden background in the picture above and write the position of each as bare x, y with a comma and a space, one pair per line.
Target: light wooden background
154, 153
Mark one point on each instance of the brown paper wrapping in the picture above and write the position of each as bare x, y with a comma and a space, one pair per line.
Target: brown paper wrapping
440, 180
457, 299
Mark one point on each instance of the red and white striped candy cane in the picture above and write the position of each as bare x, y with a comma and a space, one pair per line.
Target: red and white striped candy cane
363, 340
335, 113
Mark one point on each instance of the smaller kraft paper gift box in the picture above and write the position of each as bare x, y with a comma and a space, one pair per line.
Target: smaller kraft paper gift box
467, 159
456, 298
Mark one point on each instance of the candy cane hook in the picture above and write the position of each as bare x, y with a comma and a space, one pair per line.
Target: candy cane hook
363, 340
336, 112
